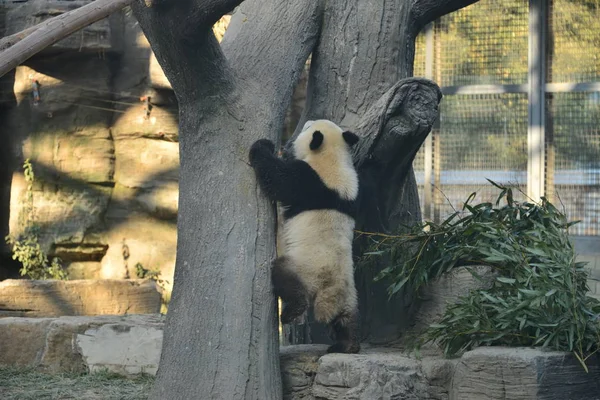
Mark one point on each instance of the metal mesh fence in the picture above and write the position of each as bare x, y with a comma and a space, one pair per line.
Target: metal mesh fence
482, 44
573, 119
481, 137
485, 135
484, 132
574, 41
573, 157
419, 63
419, 168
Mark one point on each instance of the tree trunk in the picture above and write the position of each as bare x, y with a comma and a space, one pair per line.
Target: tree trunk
358, 79
221, 335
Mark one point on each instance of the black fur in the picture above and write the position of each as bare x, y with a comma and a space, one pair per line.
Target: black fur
344, 330
288, 286
350, 138
317, 140
294, 183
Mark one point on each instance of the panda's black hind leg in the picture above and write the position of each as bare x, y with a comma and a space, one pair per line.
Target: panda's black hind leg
345, 331
288, 286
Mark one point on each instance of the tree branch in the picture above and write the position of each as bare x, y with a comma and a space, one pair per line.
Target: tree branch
51, 31
287, 35
426, 11
181, 36
11, 40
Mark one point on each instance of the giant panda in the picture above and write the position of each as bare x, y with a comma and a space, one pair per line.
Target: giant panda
317, 188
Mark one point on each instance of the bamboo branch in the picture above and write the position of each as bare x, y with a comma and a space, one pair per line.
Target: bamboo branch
31, 41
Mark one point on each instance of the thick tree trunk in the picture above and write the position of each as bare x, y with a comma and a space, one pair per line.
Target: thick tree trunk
364, 50
221, 337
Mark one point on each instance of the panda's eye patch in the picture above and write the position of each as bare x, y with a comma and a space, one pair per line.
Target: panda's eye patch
317, 140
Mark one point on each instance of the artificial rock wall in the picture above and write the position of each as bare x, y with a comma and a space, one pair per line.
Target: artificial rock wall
106, 167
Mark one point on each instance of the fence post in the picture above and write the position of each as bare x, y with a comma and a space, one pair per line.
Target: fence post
536, 97
428, 156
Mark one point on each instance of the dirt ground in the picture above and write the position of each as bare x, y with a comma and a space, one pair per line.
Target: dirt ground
27, 384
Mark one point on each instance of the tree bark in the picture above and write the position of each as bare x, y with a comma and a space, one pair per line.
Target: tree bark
364, 50
221, 336
18, 48
221, 331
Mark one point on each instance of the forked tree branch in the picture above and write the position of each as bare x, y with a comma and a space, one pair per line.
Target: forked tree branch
288, 34
181, 36
31, 41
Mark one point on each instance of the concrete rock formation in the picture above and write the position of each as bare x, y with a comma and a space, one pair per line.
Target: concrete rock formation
131, 345
447, 290
52, 298
103, 140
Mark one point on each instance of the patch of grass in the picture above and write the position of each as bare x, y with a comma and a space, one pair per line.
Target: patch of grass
29, 384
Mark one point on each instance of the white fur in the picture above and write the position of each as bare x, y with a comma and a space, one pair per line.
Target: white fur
319, 243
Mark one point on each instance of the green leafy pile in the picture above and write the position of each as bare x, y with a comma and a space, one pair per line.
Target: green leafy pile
538, 297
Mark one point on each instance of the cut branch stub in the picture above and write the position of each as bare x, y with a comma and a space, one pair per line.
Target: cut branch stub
392, 131
397, 124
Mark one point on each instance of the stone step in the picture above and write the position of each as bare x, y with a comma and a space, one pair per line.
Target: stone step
487, 373
132, 344
52, 298
123, 344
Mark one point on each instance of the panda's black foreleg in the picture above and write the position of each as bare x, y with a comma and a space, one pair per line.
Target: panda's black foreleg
288, 286
345, 332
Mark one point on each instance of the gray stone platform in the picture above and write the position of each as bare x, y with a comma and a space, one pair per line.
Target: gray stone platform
131, 345
124, 344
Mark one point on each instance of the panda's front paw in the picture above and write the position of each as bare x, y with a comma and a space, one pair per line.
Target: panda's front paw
261, 146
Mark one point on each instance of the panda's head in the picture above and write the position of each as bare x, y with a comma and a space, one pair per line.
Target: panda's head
323, 138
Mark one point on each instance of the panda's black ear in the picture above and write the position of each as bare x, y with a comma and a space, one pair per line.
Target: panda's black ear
350, 138
316, 141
